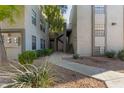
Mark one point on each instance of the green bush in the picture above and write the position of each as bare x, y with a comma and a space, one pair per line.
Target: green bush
39, 53
47, 51
110, 54
27, 57
44, 52
75, 56
32, 77
121, 55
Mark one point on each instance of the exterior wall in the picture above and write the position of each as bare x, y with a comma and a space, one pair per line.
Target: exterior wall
81, 36
84, 32
13, 49
16, 30
31, 29
115, 40
23, 28
73, 36
98, 30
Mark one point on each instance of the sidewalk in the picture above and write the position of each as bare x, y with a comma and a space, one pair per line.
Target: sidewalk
111, 78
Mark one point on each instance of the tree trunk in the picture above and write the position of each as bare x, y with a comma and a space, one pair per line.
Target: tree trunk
3, 56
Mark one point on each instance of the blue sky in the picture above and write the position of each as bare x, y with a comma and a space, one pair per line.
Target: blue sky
66, 16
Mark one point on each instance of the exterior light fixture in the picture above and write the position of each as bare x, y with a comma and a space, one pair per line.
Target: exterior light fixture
113, 23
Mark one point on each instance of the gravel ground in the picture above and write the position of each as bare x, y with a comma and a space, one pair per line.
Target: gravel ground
101, 62
70, 79
65, 78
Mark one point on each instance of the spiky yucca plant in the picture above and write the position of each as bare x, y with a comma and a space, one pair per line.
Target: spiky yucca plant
30, 76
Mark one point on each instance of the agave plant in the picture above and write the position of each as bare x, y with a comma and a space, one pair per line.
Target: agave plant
30, 76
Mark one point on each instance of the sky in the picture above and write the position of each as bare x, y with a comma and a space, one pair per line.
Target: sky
66, 16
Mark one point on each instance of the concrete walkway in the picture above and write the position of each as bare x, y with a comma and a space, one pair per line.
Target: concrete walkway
111, 78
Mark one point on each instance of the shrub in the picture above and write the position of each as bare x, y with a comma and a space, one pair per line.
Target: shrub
75, 56
110, 54
47, 51
30, 76
44, 52
39, 53
27, 57
121, 55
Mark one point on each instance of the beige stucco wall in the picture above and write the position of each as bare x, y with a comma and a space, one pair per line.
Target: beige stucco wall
82, 30
84, 40
73, 35
18, 20
115, 40
12, 49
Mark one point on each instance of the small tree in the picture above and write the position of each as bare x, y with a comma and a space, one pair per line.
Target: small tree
54, 16
55, 19
7, 12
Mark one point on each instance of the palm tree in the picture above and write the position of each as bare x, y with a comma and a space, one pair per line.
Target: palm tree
7, 12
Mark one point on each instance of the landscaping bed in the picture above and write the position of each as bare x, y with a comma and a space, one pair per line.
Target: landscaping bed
70, 79
65, 78
101, 62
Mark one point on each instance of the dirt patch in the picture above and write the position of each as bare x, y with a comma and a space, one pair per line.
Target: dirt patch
70, 79
101, 62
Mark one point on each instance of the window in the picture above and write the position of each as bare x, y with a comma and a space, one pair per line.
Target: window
33, 17
33, 42
42, 43
42, 25
99, 9
41, 28
9, 40
44, 29
97, 50
99, 30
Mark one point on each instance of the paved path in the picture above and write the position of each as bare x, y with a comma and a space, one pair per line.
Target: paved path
111, 78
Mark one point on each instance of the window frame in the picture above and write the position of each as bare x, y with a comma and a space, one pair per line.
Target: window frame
99, 9
99, 30
41, 43
34, 42
34, 17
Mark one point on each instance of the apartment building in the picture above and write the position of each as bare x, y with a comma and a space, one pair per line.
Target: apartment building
96, 29
29, 32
